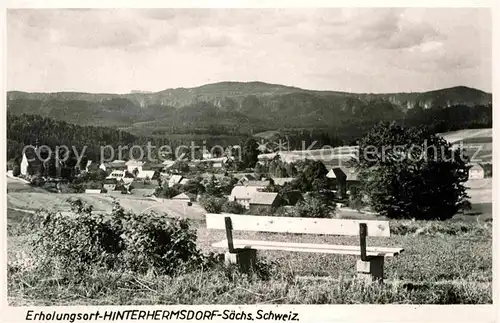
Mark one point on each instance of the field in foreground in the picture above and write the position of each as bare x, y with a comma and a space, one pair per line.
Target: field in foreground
443, 263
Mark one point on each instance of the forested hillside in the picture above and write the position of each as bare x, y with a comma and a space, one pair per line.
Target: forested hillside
232, 108
227, 113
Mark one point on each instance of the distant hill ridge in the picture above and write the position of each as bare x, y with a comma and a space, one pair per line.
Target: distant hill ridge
183, 96
230, 107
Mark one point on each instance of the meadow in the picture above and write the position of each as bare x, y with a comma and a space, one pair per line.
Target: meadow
443, 263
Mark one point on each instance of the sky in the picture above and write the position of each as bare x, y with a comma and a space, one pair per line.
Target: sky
341, 49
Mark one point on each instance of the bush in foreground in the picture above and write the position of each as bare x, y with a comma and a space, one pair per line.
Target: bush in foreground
117, 241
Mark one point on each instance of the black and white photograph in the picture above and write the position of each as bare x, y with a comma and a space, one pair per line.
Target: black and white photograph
247, 156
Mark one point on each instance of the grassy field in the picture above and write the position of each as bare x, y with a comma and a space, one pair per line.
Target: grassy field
445, 263
478, 143
460, 135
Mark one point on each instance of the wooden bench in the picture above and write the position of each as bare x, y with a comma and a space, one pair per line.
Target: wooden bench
369, 267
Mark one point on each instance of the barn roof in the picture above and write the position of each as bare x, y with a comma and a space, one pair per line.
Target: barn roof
168, 163
255, 183
342, 172
146, 174
174, 179
264, 198
133, 162
476, 166
243, 192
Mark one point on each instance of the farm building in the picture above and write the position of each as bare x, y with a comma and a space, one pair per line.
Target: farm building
258, 184
153, 166
476, 171
218, 162
133, 164
116, 164
24, 165
117, 174
285, 156
148, 174
243, 194
167, 164
30, 163
127, 180
175, 179
246, 178
184, 181
346, 179
264, 200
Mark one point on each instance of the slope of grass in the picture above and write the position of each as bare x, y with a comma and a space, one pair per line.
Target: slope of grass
225, 286
443, 263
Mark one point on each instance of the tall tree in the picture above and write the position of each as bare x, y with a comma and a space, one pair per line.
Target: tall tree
250, 153
411, 173
213, 187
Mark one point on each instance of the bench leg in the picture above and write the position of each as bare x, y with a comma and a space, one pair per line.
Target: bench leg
371, 270
246, 259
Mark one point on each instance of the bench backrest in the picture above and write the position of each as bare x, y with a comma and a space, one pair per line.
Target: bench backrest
346, 227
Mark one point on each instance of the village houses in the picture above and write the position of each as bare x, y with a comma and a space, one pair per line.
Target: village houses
264, 200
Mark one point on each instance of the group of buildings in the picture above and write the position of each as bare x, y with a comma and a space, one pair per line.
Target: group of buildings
126, 174
248, 192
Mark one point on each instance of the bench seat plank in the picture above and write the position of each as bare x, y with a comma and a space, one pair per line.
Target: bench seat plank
310, 247
345, 227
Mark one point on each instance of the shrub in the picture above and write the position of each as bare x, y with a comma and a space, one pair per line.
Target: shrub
233, 207
488, 169
77, 242
77, 187
465, 206
120, 241
267, 211
356, 201
212, 204
313, 207
37, 180
159, 244
16, 170
166, 191
408, 227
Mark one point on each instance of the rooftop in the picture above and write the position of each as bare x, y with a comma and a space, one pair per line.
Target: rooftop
264, 198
